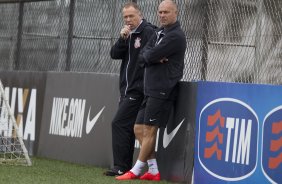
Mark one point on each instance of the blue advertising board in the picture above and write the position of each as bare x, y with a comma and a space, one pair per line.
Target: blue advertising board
238, 133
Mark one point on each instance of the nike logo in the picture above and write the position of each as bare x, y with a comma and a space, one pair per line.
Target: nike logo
120, 172
167, 138
152, 119
130, 98
90, 123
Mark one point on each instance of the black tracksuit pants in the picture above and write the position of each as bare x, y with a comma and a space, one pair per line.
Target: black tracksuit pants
123, 137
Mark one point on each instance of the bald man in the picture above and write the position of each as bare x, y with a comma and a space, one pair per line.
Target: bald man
163, 59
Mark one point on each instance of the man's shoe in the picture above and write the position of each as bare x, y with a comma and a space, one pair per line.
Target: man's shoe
114, 172
149, 176
127, 176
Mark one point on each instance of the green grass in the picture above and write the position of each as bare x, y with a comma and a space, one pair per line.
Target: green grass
45, 171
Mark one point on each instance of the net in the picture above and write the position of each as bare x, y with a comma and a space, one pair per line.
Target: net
12, 148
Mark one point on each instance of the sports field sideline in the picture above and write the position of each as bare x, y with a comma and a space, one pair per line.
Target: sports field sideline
45, 171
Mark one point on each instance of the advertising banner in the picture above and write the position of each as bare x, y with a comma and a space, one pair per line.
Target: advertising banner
77, 115
176, 140
238, 133
25, 92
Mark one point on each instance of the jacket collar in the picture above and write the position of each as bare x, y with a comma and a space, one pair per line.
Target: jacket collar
141, 26
168, 29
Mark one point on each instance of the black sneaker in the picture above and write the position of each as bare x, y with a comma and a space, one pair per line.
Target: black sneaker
114, 172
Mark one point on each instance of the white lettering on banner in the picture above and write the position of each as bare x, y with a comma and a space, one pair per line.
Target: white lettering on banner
19, 97
4, 118
242, 143
137, 144
19, 117
30, 118
52, 127
67, 118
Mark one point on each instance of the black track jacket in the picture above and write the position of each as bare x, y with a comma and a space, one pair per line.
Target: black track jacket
131, 74
161, 78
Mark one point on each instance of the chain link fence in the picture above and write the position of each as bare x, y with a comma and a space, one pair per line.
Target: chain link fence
228, 40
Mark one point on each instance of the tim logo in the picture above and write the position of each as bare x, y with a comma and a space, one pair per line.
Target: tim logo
272, 146
228, 133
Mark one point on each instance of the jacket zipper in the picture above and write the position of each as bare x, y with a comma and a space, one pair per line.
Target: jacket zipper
126, 77
144, 79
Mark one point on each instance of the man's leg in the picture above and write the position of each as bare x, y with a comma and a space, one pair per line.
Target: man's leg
138, 127
152, 117
156, 116
148, 142
147, 148
123, 135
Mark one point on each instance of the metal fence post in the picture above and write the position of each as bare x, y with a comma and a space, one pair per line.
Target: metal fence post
205, 38
19, 37
70, 35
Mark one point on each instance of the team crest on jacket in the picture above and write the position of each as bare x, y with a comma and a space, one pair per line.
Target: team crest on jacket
137, 43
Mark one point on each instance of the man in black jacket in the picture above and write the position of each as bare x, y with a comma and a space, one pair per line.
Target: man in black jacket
133, 37
163, 59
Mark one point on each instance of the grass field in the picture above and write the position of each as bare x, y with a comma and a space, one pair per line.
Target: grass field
45, 171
